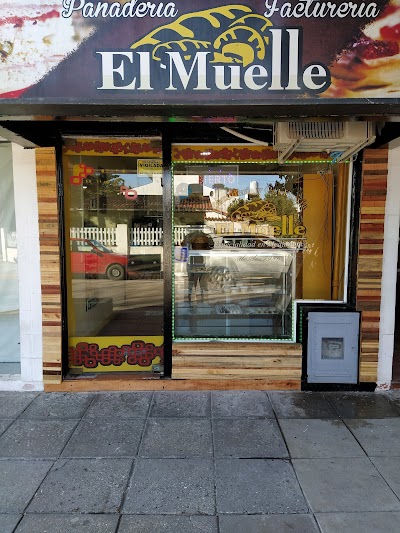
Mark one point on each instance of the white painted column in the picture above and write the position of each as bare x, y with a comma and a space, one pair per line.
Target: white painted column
30, 304
389, 269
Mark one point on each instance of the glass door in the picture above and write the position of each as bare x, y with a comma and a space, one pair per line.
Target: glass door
233, 278
114, 254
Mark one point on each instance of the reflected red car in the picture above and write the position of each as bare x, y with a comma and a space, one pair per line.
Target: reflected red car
91, 258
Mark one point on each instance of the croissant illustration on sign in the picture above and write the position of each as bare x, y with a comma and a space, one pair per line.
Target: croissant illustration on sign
233, 34
257, 210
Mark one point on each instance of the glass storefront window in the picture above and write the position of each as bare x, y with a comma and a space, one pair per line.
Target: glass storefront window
114, 222
9, 295
251, 237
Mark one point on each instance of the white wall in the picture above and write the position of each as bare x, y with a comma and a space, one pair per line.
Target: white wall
26, 213
389, 270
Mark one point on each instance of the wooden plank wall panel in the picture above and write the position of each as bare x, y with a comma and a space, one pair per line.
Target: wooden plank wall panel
369, 278
265, 366
49, 264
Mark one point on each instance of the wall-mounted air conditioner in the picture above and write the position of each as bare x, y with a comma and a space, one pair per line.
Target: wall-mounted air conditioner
341, 139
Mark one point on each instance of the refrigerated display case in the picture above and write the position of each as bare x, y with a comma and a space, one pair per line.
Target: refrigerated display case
234, 293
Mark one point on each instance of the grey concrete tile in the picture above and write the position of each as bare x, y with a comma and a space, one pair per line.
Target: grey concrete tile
361, 405
378, 437
118, 405
105, 438
344, 485
284, 523
301, 405
248, 437
177, 438
171, 486
58, 405
241, 403
13, 403
36, 438
389, 468
308, 438
68, 523
374, 522
19, 481
258, 486
4, 424
181, 403
168, 524
83, 486
393, 396
8, 522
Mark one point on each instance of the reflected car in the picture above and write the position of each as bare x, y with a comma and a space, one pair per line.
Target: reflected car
237, 256
91, 258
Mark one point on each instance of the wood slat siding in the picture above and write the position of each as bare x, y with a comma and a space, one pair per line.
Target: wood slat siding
49, 264
264, 366
369, 275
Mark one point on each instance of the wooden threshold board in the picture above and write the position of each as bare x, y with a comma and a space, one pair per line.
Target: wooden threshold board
132, 384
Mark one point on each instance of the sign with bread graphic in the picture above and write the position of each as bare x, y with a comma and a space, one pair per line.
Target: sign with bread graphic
259, 51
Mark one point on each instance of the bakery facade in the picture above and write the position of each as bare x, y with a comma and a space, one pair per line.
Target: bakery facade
198, 199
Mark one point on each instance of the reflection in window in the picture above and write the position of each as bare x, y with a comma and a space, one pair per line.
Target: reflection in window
114, 217
271, 234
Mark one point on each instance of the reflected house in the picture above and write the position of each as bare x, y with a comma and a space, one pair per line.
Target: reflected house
144, 211
194, 211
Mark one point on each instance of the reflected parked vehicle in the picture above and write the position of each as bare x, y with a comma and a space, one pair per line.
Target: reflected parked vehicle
91, 258
234, 257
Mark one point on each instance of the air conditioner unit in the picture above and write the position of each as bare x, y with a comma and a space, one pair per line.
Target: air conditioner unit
340, 139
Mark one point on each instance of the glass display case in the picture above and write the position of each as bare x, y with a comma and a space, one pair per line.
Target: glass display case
234, 294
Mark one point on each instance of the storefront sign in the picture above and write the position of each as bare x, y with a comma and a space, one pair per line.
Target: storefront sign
112, 147
166, 52
230, 154
148, 167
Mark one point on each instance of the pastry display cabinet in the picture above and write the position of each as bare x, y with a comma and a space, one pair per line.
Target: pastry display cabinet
235, 294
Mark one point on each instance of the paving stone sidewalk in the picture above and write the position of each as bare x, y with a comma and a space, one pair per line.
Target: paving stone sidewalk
200, 462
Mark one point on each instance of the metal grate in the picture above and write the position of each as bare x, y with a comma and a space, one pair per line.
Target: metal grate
315, 130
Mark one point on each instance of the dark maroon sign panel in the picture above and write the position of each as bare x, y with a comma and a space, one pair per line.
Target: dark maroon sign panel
78, 51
